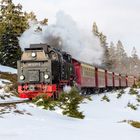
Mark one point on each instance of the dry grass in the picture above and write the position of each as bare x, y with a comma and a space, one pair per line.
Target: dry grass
135, 124
12, 78
9, 76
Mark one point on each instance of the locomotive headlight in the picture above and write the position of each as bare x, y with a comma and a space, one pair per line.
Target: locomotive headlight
46, 76
33, 54
22, 77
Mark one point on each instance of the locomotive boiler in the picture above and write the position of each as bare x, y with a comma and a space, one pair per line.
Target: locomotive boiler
44, 70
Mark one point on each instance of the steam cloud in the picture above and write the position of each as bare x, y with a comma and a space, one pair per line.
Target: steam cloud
67, 89
65, 34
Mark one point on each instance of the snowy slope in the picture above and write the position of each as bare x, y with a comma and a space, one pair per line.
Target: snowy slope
26, 121
7, 69
4, 95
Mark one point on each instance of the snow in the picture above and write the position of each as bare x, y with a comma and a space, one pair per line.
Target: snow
5, 96
102, 121
3, 82
7, 69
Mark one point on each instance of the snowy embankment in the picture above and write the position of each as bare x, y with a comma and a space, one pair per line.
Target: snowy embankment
5, 84
7, 69
102, 121
4, 94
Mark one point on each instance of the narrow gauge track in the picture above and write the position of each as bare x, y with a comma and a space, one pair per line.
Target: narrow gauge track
12, 102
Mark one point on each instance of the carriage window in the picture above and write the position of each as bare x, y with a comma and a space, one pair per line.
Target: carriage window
88, 72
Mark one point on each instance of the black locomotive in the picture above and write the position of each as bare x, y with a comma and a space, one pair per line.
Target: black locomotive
43, 69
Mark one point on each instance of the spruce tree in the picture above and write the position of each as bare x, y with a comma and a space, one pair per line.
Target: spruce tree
12, 24
95, 29
10, 51
121, 62
106, 63
134, 62
112, 58
70, 102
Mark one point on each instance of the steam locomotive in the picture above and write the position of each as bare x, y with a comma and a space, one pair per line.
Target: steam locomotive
46, 70
43, 69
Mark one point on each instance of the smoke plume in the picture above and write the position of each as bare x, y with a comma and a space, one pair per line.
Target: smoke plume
66, 35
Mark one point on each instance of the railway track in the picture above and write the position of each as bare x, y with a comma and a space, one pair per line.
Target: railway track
4, 103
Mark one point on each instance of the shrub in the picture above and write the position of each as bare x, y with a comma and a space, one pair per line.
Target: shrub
137, 85
132, 106
119, 95
138, 96
45, 102
133, 92
69, 103
138, 99
105, 98
121, 92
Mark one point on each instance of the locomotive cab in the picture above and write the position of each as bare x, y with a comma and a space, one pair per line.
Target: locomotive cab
67, 67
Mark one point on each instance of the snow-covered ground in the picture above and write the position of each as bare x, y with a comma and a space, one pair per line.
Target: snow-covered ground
4, 95
7, 69
102, 121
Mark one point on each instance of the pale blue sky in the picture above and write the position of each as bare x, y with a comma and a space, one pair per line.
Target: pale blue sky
118, 19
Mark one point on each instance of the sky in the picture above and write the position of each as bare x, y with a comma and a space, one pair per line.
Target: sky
117, 19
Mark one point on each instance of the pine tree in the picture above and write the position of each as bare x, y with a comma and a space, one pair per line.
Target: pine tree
12, 24
70, 104
121, 61
107, 64
112, 56
103, 39
100, 35
134, 63
44, 21
95, 29
134, 55
107, 61
10, 51
30, 16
